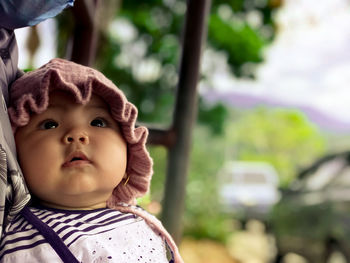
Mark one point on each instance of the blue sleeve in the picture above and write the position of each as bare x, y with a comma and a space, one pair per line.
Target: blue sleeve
21, 13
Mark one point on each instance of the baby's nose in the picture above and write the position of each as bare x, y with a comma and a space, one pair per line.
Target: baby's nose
76, 138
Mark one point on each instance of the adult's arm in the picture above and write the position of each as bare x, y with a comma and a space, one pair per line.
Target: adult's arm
21, 13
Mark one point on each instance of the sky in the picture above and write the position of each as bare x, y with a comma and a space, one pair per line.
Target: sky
306, 67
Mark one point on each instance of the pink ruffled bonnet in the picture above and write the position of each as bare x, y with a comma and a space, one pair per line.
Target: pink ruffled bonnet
30, 95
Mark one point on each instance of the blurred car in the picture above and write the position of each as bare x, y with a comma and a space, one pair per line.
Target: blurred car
248, 189
312, 218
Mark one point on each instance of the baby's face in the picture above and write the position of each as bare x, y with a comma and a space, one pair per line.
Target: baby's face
72, 155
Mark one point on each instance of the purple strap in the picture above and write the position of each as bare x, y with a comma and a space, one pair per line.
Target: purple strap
51, 236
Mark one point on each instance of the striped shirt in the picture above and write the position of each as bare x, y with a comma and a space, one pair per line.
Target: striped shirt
102, 235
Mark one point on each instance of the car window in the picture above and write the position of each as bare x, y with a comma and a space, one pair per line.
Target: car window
249, 173
324, 174
254, 178
343, 179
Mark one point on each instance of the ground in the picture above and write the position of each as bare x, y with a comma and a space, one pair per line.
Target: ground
204, 251
245, 246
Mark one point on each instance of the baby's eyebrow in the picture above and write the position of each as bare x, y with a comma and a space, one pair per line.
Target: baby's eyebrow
97, 108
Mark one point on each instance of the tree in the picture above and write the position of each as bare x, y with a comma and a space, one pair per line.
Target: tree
283, 137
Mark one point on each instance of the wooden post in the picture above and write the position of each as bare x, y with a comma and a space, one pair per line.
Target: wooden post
195, 32
85, 32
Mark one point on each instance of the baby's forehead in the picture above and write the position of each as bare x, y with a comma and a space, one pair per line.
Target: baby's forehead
60, 98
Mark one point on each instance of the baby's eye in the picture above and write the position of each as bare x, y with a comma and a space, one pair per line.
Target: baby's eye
99, 122
48, 124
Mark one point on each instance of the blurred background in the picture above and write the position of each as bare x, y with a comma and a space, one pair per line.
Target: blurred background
268, 177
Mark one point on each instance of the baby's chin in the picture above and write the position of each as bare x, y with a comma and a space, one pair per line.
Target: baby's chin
71, 198
88, 201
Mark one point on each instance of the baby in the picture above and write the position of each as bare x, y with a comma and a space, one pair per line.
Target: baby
85, 164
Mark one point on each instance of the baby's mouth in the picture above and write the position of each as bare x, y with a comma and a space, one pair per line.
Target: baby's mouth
76, 159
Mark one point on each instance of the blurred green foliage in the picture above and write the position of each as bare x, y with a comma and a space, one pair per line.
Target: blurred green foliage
228, 37
203, 217
282, 137
213, 116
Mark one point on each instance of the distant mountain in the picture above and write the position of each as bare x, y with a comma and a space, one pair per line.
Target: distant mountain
240, 100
